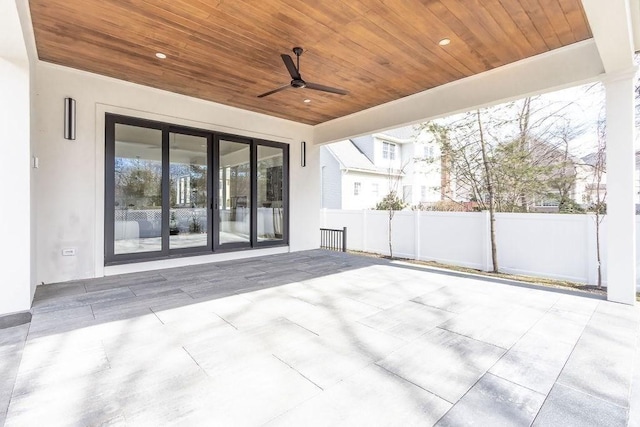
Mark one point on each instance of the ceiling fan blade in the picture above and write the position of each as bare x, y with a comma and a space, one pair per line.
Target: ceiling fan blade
271, 92
288, 62
323, 88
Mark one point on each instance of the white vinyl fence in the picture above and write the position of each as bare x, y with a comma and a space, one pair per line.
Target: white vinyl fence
558, 246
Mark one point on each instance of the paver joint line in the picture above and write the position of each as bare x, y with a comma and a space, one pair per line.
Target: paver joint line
298, 372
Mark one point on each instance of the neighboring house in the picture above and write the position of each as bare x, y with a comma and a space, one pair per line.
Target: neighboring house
587, 187
358, 173
350, 180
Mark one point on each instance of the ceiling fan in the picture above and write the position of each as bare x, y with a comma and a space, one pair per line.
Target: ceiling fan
296, 78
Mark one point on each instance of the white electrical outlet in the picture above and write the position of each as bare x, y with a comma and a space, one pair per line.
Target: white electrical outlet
69, 252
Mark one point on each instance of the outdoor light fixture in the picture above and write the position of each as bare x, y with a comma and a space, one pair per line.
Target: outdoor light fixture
69, 118
444, 42
161, 55
303, 154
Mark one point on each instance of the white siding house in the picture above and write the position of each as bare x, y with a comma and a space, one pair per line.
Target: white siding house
358, 173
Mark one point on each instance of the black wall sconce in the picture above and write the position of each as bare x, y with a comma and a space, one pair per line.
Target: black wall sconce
303, 154
69, 118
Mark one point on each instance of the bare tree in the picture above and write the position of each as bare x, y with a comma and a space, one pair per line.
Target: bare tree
490, 193
597, 192
392, 202
504, 158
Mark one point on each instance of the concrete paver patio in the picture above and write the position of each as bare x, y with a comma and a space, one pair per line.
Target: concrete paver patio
318, 338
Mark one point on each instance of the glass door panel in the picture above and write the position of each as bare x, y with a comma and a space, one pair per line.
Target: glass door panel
270, 194
137, 190
234, 192
188, 196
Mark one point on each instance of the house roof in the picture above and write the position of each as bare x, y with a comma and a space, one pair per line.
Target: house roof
350, 157
405, 132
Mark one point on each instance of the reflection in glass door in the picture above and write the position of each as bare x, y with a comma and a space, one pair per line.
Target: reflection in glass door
270, 193
188, 194
137, 192
234, 192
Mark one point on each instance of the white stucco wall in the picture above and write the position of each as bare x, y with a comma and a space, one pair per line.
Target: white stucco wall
16, 284
70, 187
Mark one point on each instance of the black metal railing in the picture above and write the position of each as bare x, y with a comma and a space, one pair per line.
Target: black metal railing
335, 240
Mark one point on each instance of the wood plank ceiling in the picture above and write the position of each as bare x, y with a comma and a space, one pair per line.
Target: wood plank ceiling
229, 51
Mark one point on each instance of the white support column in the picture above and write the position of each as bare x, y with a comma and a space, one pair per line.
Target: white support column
621, 221
15, 171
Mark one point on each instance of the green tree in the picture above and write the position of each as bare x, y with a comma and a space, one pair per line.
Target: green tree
390, 202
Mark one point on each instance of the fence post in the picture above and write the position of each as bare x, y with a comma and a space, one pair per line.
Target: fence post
364, 230
344, 239
486, 222
416, 234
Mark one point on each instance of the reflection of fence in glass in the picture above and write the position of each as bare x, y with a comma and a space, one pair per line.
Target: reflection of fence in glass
149, 221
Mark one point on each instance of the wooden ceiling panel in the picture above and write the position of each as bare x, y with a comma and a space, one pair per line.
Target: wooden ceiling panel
229, 52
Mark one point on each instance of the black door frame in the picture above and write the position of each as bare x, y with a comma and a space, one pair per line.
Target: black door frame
213, 141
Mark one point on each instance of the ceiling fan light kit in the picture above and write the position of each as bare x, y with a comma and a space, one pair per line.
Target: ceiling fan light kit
296, 78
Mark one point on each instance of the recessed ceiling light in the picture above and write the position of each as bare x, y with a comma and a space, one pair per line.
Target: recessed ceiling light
161, 55
307, 101
444, 42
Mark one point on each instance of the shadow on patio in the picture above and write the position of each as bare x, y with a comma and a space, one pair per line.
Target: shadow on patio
319, 337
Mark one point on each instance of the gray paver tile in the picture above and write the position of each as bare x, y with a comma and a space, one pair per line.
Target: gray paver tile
570, 408
608, 358
114, 295
195, 346
354, 337
251, 395
537, 359
407, 320
230, 351
321, 364
442, 362
502, 326
373, 396
493, 401
44, 292
455, 299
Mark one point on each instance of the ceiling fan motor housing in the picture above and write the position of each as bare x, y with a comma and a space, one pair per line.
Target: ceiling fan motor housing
298, 83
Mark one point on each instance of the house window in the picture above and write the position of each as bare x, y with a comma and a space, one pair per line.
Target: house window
423, 193
407, 193
388, 150
356, 188
374, 189
427, 152
547, 203
160, 187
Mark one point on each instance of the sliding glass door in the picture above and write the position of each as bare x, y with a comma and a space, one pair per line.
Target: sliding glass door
175, 191
234, 193
188, 191
270, 193
137, 190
